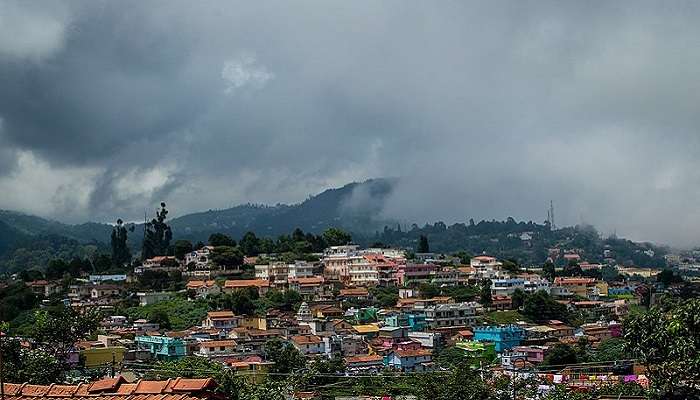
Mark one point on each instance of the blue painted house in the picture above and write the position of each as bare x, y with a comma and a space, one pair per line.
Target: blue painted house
416, 322
503, 337
162, 347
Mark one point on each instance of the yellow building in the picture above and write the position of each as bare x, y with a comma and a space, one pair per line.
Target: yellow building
602, 288
103, 356
253, 323
643, 272
253, 369
369, 330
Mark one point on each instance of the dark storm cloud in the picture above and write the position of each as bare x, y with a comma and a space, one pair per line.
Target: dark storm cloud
485, 109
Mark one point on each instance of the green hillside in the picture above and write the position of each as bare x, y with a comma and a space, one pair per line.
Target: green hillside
28, 241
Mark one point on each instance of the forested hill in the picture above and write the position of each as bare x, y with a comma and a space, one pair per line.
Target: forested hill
527, 243
28, 241
354, 207
31, 225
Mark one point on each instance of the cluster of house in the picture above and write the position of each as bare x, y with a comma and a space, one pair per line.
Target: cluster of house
370, 339
403, 337
331, 321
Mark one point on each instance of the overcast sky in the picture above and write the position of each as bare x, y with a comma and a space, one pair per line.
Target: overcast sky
485, 109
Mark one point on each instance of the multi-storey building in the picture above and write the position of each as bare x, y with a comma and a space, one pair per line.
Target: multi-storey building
386, 269
447, 315
203, 289
445, 276
308, 344
506, 287
308, 288
535, 283
200, 259
504, 337
410, 360
582, 287
414, 274
217, 348
337, 260
363, 273
486, 267
159, 263
224, 320
280, 273
261, 285
275, 272
162, 347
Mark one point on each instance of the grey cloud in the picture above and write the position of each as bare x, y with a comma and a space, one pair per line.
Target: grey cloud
484, 109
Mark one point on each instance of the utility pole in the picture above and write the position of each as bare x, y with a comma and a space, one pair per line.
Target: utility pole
113, 362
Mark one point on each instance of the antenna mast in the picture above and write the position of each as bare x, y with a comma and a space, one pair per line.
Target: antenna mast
551, 215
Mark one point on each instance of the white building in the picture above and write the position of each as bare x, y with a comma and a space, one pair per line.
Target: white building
217, 348
506, 287
486, 267
146, 298
200, 258
204, 288
452, 314
536, 283
105, 278
309, 344
362, 272
280, 273
224, 320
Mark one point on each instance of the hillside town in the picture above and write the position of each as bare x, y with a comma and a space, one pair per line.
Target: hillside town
352, 312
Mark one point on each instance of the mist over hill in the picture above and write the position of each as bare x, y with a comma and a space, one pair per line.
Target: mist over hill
28, 241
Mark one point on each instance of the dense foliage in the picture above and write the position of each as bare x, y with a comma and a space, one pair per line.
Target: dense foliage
526, 242
667, 340
54, 332
542, 307
179, 313
14, 299
157, 235
120, 249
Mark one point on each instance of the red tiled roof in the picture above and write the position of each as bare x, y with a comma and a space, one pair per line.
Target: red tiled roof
192, 385
151, 387
244, 283
35, 390
354, 292
312, 280
126, 388
116, 389
62, 391
573, 281
198, 284
220, 314
218, 343
161, 258
364, 358
106, 384
414, 353
306, 339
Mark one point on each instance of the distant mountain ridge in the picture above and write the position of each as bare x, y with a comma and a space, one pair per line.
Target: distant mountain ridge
28, 241
331, 208
355, 207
